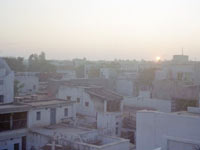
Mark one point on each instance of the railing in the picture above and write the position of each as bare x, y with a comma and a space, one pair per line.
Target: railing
19, 124
16, 124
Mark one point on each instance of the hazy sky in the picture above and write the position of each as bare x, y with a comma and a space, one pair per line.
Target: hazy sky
100, 29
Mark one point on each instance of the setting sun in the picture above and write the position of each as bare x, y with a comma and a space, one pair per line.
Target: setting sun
158, 58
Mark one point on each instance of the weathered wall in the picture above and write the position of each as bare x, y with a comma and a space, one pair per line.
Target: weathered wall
45, 115
9, 144
36, 140
158, 104
125, 87
78, 92
154, 129
7, 87
30, 83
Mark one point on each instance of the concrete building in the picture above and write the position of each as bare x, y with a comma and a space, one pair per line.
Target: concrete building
28, 82
179, 68
67, 74
154, 104
126, 85
180, 59
182, 94
98, 107
16, 119
168, 131
6, 83
74, 138
108, 73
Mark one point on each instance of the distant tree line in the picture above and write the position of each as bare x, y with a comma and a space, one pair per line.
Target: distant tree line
36, 63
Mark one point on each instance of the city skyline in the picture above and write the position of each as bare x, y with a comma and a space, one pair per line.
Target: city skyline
104, 30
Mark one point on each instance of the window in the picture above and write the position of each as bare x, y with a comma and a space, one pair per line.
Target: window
66, 112
116, 131
24, 143
16, 146
38, 115
78, 100
86, 104
1, 98
34, 87
69, 98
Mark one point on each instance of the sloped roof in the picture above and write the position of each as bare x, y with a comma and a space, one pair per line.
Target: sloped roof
104, 94
4, 65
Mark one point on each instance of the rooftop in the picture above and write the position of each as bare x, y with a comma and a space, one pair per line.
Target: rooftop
81, 136
59, 130
104, 94
46, 102
12, 107
26, 105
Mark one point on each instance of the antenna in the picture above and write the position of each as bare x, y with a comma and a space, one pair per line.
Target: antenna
182, 51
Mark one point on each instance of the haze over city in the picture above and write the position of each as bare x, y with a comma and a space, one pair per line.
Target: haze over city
100, 29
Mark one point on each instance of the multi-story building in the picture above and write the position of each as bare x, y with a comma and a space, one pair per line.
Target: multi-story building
16, 120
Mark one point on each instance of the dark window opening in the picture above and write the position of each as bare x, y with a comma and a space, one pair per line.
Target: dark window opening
34, 87
1, 98
116, 131
38, 115
19, 120
78, 100
113, 106
13, 121
24, 143
86, 104
69, 98
66, 112
16, 146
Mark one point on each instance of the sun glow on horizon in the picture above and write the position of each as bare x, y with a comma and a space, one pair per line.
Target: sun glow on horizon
158, 58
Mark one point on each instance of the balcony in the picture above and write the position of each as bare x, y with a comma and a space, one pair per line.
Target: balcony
13, 121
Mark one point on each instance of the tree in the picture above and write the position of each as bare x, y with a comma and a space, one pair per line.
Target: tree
15, 64
38, 63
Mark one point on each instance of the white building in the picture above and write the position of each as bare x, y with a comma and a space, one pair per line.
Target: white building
168, 131
28, 81
180, 59
67, 74
178, 69
18, 118
6, 83
108, 73
41, 124
74, 138
101, 108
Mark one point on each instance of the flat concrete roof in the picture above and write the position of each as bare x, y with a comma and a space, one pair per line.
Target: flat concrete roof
186, 113
24, 106
11, 108
40, 103
60, 129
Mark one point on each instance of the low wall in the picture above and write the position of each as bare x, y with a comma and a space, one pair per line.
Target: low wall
158, 104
